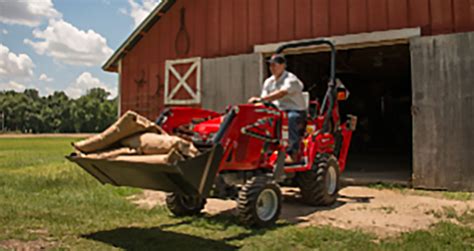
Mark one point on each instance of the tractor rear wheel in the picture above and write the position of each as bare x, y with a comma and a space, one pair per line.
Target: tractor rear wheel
259, 202
320, 186
181, 205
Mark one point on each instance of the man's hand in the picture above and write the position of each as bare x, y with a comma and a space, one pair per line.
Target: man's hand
254, 100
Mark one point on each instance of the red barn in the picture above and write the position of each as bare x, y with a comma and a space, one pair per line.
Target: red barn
408, 63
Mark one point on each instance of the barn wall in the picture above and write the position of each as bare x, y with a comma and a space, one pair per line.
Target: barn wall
230, 81
218, 28
443, 114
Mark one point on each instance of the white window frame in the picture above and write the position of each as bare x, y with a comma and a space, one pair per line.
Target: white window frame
170, 71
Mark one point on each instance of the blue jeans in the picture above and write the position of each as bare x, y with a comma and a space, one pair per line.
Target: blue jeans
296, 129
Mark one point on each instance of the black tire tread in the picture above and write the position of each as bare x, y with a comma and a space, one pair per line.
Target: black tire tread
247, 199
312, 183
174, 204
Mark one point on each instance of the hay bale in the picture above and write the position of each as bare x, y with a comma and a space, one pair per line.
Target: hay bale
129, 124
152, 143
112, 153
170, 158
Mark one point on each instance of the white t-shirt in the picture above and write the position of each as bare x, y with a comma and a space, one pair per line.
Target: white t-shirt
294, 100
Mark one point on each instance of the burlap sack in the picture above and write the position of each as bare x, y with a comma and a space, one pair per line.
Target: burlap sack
112, 153
130, 123
170, 158
152, 143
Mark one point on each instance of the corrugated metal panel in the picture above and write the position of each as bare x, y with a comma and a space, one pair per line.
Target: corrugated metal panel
213, 28
286, 20
255, 23
218, 28
358, 20
462, 18
320, 22
338, 16
270, 21
419, 14
397, 14
378, 15
441, 16
303, 19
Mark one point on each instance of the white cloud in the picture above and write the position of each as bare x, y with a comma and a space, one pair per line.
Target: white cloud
85, 82
4, 31
66, 43
12, 85
30, 13
139, 11
14, 66
45, 78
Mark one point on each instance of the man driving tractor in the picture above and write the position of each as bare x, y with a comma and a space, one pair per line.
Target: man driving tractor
285, 91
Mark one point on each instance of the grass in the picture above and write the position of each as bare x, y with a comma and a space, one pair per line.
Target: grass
45, 198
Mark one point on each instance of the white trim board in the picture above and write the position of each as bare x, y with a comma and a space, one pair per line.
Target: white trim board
361, 40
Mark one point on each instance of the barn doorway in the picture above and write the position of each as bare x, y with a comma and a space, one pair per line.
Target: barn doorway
379, 79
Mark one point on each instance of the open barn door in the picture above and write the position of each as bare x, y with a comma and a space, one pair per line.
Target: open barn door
230, 80
443, 111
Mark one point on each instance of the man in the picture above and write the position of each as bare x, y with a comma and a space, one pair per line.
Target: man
285, 91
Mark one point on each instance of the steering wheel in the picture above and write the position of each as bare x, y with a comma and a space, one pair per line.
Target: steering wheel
266, 104
270, 104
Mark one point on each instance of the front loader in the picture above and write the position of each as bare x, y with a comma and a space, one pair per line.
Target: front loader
243, 156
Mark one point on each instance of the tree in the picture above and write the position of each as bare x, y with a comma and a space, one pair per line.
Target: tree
28, 112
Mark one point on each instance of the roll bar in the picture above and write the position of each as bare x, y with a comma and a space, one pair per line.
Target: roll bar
332, 91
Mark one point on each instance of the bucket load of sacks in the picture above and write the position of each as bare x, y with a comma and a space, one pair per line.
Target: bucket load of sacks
135, 139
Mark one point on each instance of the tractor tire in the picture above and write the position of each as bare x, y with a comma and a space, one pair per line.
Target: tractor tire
320, 186
181, 205
259, 202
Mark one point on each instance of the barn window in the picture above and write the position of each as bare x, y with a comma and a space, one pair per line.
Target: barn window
183, 81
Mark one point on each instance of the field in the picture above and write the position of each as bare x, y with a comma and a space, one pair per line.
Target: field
48, 203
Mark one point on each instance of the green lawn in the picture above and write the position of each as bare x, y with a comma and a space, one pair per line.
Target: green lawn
45, 198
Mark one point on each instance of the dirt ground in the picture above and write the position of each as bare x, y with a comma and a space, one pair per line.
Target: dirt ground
382, 212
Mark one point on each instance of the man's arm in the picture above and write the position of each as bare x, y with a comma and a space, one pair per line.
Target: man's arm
275, 95
269, 98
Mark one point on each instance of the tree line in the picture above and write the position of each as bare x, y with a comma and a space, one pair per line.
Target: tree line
28, 112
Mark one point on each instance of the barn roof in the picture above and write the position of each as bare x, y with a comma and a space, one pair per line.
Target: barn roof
112, 63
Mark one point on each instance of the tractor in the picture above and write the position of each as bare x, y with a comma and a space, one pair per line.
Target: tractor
243, 156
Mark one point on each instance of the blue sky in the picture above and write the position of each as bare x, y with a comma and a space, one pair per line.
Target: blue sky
56, 45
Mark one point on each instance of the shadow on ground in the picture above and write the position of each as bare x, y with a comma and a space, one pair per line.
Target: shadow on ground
159, 238
135, 238
295, 211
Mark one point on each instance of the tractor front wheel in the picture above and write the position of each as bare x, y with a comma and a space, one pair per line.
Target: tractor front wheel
181, 205
320, 186
259, 202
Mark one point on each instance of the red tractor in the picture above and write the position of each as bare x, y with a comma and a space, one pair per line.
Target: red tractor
243, 156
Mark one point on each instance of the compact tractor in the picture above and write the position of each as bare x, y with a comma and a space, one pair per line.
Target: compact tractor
243, 156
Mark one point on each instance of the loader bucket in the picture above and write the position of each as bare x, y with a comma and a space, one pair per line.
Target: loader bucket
190, 177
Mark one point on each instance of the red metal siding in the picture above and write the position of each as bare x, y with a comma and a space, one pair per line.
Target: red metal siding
286, 20
303, 19
320, 22
338, 17
228, 27
378, 13
358, 13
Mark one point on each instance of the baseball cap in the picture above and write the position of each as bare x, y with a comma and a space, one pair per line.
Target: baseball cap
277, 58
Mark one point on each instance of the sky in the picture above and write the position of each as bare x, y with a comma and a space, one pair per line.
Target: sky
61, 45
